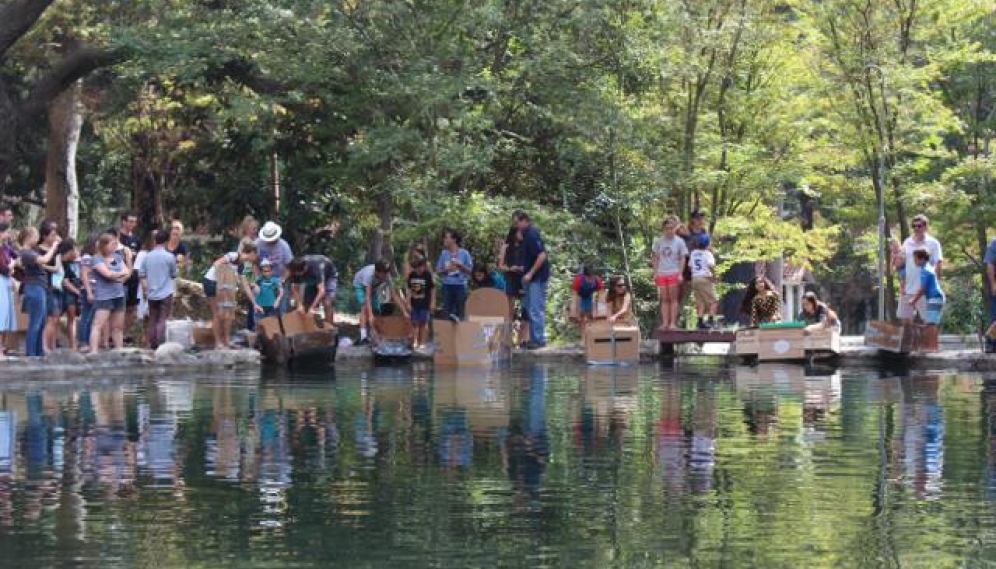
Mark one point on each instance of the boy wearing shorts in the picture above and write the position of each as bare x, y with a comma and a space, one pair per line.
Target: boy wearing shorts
269, 291
421, 299
702, 263
314, 281
930, 290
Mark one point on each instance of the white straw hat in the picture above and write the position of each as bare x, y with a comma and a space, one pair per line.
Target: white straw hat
270, 232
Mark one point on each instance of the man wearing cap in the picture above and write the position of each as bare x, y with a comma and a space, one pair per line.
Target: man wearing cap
692, 234
276, 250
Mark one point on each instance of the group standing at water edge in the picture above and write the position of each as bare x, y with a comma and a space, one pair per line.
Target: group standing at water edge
104, 285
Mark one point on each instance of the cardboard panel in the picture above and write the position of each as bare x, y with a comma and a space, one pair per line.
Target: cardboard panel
479, 341
487, 302
605, 343
311, 341
269, 328
748, 342
781, 344
203, 336
826, 340
393, 327
888, 336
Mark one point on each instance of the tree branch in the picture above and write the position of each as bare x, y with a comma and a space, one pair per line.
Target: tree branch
75, 65
17, 17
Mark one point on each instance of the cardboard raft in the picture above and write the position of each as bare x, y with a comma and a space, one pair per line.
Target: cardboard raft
901, 339
392, 336
295, 335
606, 343
773, 344
483, 339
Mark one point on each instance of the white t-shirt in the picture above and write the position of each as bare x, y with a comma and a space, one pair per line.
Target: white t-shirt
913, 271
232, 258
702, 262
671, 255
364, 277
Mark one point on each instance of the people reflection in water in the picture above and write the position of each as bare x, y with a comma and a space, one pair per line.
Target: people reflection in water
922, 428
275, 466
456, 443
671, 440
366, 426
525, 448
761, 410
989, 421
702, 458
8, 458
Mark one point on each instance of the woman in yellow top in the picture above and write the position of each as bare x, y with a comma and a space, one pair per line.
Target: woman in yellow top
762, 302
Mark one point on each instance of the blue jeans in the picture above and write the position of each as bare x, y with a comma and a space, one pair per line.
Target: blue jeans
83, 327
535, 303
990, 343
454, 299
34, 302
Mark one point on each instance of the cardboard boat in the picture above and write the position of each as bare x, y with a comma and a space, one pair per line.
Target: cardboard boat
611, 344
901, 338
787, 341
484, 339
391, 337
296, 336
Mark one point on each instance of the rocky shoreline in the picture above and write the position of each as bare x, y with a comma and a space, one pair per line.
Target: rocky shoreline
172, 358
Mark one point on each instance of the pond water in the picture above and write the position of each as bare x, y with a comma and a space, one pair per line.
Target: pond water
536, 466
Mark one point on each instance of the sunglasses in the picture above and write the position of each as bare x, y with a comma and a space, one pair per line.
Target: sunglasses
919, 225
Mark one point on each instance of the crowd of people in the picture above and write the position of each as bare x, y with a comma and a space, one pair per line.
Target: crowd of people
104, 285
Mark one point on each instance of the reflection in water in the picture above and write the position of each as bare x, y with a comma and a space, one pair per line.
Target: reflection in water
536, 466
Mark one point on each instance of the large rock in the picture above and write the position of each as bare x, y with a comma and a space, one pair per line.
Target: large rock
169, 349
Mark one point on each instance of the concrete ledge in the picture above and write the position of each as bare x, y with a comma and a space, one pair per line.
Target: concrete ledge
129, 361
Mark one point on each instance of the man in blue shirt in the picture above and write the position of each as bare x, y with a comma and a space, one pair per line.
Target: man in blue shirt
157, 274
990, 286
535, 279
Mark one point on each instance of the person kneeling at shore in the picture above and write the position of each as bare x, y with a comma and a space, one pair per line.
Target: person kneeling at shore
221, 282
817, 315
930, 288
314, 280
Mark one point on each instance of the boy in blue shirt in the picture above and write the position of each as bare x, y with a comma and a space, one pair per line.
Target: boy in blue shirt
930, 289
269, 291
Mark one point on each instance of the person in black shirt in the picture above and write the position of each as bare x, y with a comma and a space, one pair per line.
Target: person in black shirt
128, 239
319, 279
421, 299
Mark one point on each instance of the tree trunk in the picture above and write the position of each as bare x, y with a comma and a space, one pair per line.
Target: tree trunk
380, 245
275, 183
65, 121
8, 129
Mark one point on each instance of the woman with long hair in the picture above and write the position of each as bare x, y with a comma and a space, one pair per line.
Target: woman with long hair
762, 302
619, 301
35, 281
110, 272
816, 314
511, 261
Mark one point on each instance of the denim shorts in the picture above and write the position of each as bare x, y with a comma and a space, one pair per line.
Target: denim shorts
54, 303
210, 288
420, 315
111, 304
935, 308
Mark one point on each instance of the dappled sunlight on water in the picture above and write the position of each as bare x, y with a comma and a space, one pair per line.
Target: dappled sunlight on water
545, 465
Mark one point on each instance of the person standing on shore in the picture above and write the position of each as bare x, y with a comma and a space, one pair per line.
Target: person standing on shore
670, 255
535, 279
990, 287
158, 270
128, 238
274, 248
906, 311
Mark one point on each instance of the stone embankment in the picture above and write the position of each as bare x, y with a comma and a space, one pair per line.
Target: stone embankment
169, 358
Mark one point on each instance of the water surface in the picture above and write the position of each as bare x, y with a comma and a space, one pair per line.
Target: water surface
537, 466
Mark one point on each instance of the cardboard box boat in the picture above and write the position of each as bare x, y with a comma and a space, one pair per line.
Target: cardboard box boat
483, 339
294, 336
901, 338
392, 336
789, 342
609, 344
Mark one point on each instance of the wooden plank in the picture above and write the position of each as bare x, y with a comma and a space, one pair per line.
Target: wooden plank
694, 336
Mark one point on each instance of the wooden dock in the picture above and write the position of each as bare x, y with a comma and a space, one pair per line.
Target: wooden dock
668, 338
